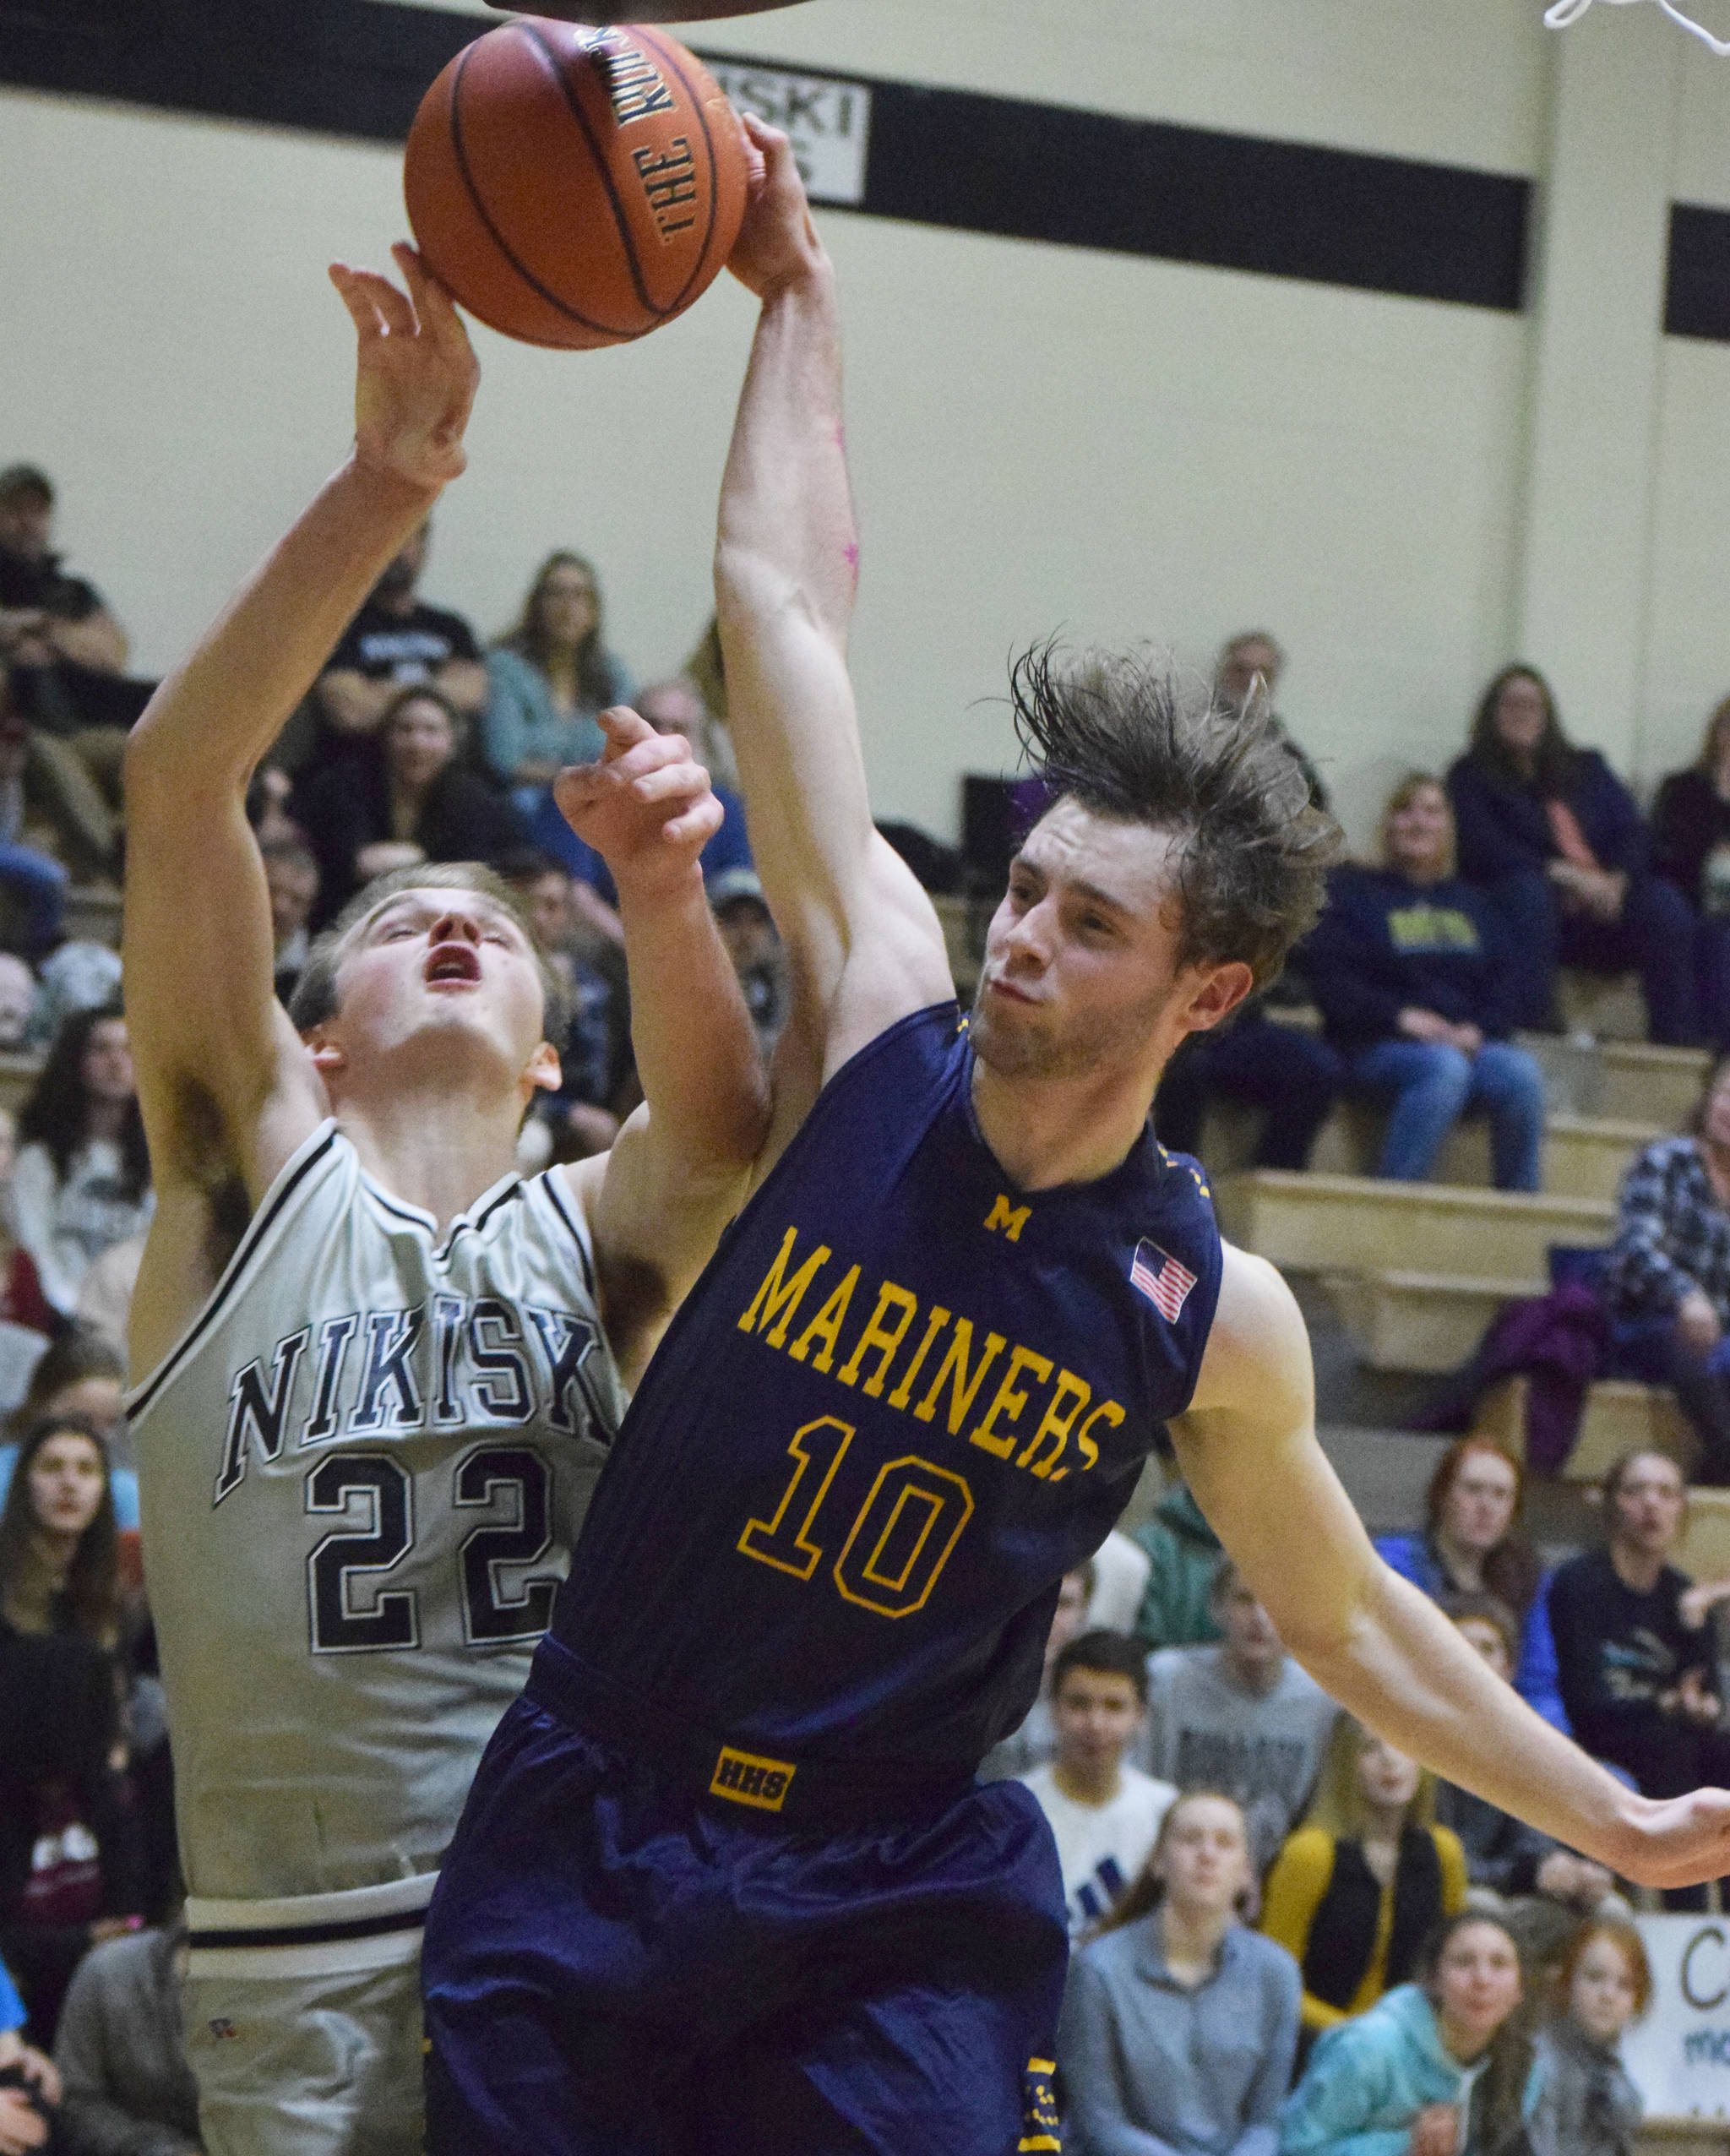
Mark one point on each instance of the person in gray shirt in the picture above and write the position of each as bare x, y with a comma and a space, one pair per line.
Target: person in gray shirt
1242, 1717
129, 2090
1179, 2026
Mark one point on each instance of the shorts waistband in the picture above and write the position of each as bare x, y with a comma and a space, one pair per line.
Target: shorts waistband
399, 1905
738, 1773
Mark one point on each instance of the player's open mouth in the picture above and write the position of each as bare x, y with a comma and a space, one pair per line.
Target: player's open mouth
453, 962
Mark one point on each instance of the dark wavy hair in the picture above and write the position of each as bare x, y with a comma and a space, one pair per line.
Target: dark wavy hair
1499, 2099
1557, 763
595, 674
1122, 734
93, 1581
56, 1113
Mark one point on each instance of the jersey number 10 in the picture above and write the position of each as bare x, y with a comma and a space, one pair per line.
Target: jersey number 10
901, 1535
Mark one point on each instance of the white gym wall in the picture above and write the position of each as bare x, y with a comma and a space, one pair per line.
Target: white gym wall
1041, 437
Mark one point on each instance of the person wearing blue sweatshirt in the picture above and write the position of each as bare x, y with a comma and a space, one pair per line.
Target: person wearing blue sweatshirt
1433, 2069
1474, 1543
1555, 840
1406, 966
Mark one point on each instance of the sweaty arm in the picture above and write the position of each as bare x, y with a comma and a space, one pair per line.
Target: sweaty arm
226, 1088
678, 1171
1249, 1448
863, 942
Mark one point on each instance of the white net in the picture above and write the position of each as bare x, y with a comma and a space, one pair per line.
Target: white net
1569, 11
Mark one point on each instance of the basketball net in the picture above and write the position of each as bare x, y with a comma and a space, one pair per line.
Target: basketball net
1569, 11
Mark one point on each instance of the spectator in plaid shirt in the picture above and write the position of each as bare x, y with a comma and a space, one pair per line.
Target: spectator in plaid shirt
1668, 1274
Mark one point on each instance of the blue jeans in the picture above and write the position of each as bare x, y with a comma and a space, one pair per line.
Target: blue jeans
39, 886
1657, 937
1431, 1086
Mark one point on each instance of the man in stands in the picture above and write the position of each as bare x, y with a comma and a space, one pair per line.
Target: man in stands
1241, 1717
394, 640
1104, 1813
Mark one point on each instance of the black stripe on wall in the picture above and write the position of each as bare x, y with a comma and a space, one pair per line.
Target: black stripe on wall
1697, 290
941, 157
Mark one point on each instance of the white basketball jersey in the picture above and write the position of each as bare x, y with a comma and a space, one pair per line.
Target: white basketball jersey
361, 1470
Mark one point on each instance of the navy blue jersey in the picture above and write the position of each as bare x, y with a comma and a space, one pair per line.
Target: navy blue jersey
904, 1399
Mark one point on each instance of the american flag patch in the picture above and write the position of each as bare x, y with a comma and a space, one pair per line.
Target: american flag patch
1162, 1279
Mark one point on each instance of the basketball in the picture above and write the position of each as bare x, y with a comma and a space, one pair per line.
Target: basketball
575, 187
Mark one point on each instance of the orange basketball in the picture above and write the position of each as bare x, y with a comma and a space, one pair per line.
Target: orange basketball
573, 185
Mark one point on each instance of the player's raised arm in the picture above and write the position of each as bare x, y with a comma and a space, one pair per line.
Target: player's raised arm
864, 944
677, 1172
1249, 1450
226, 1088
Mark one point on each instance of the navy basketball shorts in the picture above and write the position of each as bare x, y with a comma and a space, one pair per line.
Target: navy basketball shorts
620, 1961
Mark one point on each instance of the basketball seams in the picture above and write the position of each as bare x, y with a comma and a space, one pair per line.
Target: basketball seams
551, 59
667, 53
459, 153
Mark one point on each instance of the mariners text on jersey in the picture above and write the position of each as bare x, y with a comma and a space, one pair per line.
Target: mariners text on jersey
905, 1398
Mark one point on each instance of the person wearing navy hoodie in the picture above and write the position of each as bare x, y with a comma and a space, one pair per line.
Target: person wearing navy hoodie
1553, 839
1406, 964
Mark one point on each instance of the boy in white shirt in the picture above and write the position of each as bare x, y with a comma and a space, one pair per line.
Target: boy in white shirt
1104, 1813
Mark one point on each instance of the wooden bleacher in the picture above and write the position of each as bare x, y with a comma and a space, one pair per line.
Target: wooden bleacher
1418, 1271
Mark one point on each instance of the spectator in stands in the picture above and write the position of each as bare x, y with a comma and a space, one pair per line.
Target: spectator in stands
395, 642
79, 977
1241, 1717
17, 1002
67, 650
1474, 1543
1691, 822
399, 799
1254, 656
1032, 1744
1585, 2104
1359, 1887
1667, 1278
121, 2051
83, 1177
674, 706
1183, 1552
1635, 1657
1103, 1812
292, 877
1438, 2068
753, 944
549, 680
1547, 1888
69, 1860
32, 882
1407, 966
59, 1567
1253, 1060
81, 1375
1553, 839
592, 1034
1179, 2025
49, 806
29, 2083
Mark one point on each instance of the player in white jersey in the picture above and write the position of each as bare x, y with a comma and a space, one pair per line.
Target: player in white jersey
367, 1432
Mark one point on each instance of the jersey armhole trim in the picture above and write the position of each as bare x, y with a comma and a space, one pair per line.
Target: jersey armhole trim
556, 1198
294, 1172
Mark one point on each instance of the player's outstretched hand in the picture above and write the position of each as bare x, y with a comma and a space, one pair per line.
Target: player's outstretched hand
416, 374
1684, 1841
646, 808
777, 243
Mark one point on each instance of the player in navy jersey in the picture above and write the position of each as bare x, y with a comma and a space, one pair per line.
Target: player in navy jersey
725, 1882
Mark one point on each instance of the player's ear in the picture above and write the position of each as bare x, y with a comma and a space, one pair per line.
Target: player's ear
328, 1059
1217, 994
543, 1074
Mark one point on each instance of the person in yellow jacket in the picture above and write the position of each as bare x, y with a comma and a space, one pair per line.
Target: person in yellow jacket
1359, 1886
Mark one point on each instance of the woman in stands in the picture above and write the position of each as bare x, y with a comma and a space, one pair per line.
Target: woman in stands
1407, 965
1359, 1886
1635, 1658
82, 1181
1474, 1543
402, 799
69, 1847
549, 680
1179, 2025
1553, 839
1667, 1279
1586, 2105
1437, 2069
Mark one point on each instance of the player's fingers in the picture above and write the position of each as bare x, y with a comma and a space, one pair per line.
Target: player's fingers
434, 307
697, 825
354, 296
624, 728
392, 306
669, 782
